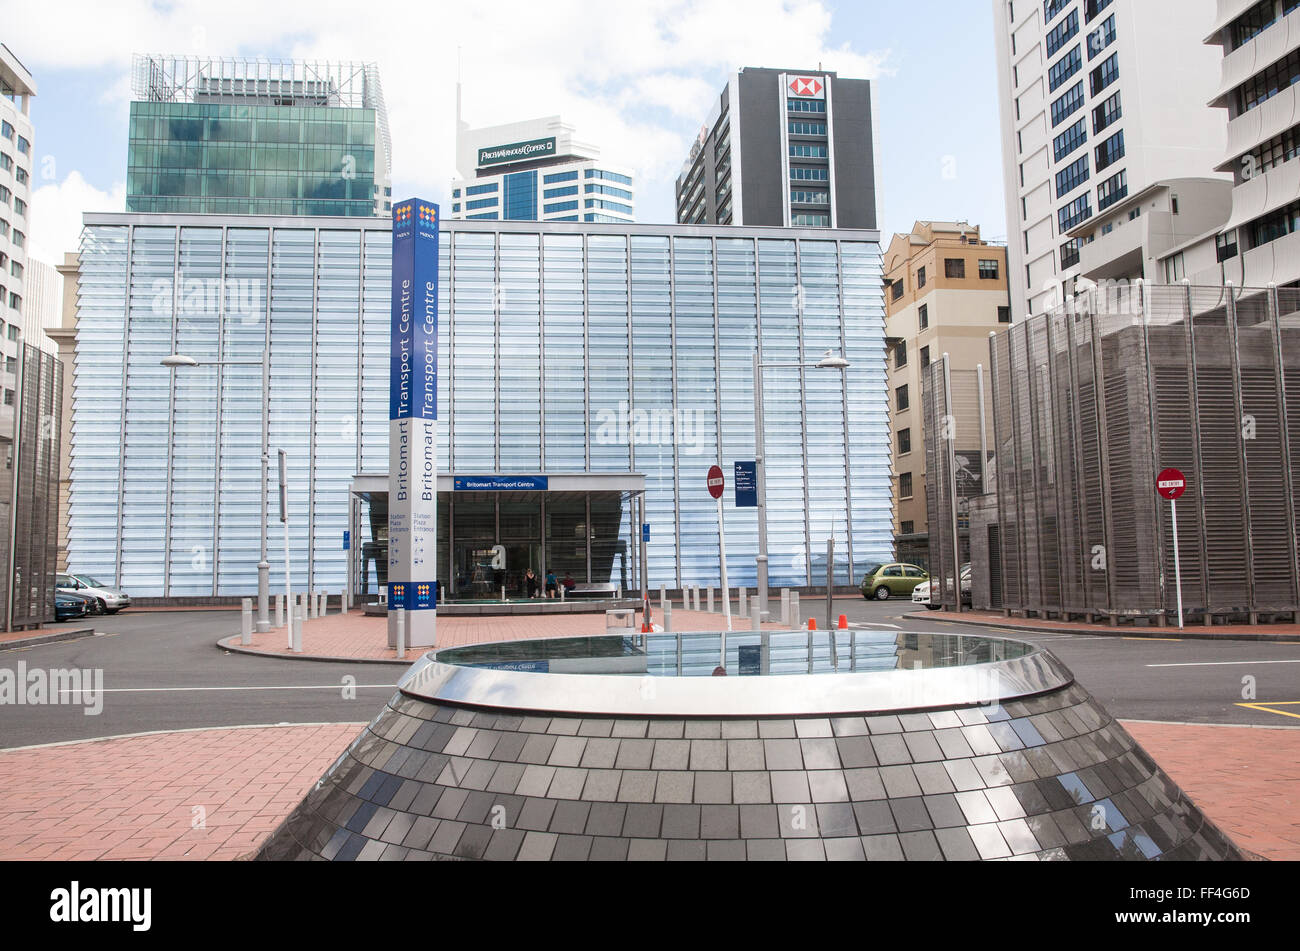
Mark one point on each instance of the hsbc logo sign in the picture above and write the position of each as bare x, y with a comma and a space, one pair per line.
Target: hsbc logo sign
807, 87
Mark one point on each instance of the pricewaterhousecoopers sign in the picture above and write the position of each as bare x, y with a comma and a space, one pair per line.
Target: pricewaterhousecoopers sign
517, 152
413, 423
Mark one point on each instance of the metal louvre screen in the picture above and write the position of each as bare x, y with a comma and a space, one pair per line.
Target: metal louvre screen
1091, 401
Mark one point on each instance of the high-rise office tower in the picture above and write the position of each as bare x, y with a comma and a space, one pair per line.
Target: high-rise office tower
536, 170
16, 169
785, 148
257, 137
1102, 101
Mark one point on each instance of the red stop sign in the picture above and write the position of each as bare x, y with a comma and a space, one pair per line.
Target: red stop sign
716, 482
1171, 484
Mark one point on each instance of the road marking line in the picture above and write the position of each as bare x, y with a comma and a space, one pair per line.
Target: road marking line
1227, 663
1268, 707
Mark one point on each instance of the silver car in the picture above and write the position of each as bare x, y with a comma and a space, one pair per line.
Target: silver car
104, 598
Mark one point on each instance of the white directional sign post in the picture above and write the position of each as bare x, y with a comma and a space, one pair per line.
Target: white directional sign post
1171, 484
718, 485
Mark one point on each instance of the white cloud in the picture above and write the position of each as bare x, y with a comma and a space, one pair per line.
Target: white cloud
57, 211
636, 78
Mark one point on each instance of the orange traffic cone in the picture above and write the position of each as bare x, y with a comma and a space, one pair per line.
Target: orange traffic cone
812, 624
844, 622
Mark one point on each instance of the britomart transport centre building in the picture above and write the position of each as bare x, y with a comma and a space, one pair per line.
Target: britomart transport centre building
589, 376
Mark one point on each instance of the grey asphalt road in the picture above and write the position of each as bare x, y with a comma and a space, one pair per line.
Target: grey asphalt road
162, 671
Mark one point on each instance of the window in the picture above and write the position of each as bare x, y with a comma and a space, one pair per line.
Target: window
609, 176
1071, 177
900, 354
1252, 23
907, 528
9, 397
954, 268
1068, 104
1274, 152
488, 216
560, 206
1101, 37
808, 175
1107, 114
923, 315
810, 221
1004, 315
455, 209
1112, 190
5, 194
901, 397
1175, 269
925, 357
806, 105
1110, 151
14, 332
560, 192
1092, 7
1225, 246
810, 198
560, 177
1264, 86
1051, 8
481, 189
16, 269
24, 147
804, 150
1105, 74
608, 205
15, 301
480, 203
11, 364
920, 277
6, 130
904, 441
1064, 68
6, 161
608, 219
1069, 254
905, 488
802, 127
989, 270
897, 287
1277, 225
19, 239
20, 175
1070, 139
607, 190
20, 207
455, 193
1061, 33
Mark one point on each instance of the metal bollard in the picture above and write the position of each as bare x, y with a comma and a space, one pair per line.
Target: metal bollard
757, 615
794, 610
709, 602
246, 622
785, 606
742, 603
401, 633
279, 610
668, 616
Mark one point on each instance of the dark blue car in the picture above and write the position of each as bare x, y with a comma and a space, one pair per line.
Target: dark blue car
68, 606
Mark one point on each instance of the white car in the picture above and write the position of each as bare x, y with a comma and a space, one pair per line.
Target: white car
104, 599
921, 593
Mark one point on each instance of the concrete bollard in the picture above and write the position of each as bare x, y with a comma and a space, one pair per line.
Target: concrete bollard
757, 615
785, 606
663, 599
709, 601
311, 604
246, 621
742, 603
279, 610
697, 597
794, 610
322, 599
299, 612
668, 617
401, 633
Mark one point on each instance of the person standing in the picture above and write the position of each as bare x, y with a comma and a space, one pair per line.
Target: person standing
552, 585
530, 583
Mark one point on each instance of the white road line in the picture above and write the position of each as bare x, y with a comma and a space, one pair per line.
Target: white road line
1228, 663
872, 625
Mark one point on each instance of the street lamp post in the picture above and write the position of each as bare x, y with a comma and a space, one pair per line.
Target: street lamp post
180, 361
828, 362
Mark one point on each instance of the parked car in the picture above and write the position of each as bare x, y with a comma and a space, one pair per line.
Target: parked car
68, 606
882, 582
107, 599
921, 593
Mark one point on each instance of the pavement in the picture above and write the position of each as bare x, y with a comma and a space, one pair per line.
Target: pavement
213, 792
1283, 633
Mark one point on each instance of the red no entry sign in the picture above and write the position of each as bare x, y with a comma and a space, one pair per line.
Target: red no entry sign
1171, 484
716, 482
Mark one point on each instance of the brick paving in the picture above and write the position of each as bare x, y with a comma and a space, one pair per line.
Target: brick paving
354, 636
135, 797
143, 797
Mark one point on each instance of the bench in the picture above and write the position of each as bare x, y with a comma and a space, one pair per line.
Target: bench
593, 591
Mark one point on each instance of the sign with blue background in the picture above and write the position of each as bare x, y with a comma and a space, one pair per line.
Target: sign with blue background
413, 423
500, 483
747, 485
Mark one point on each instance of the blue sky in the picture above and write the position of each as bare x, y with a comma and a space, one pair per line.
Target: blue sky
637, 82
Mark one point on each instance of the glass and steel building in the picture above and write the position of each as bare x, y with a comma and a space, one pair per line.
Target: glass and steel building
537, 170
592, 362
257, 137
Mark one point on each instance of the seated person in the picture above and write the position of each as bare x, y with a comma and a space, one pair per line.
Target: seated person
569, 583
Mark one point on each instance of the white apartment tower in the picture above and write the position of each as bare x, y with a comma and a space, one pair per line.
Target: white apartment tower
1102, 102
16, 171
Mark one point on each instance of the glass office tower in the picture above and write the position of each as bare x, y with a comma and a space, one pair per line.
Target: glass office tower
605, 353
253, 137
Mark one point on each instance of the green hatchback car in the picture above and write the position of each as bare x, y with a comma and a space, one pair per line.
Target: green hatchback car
883, 582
